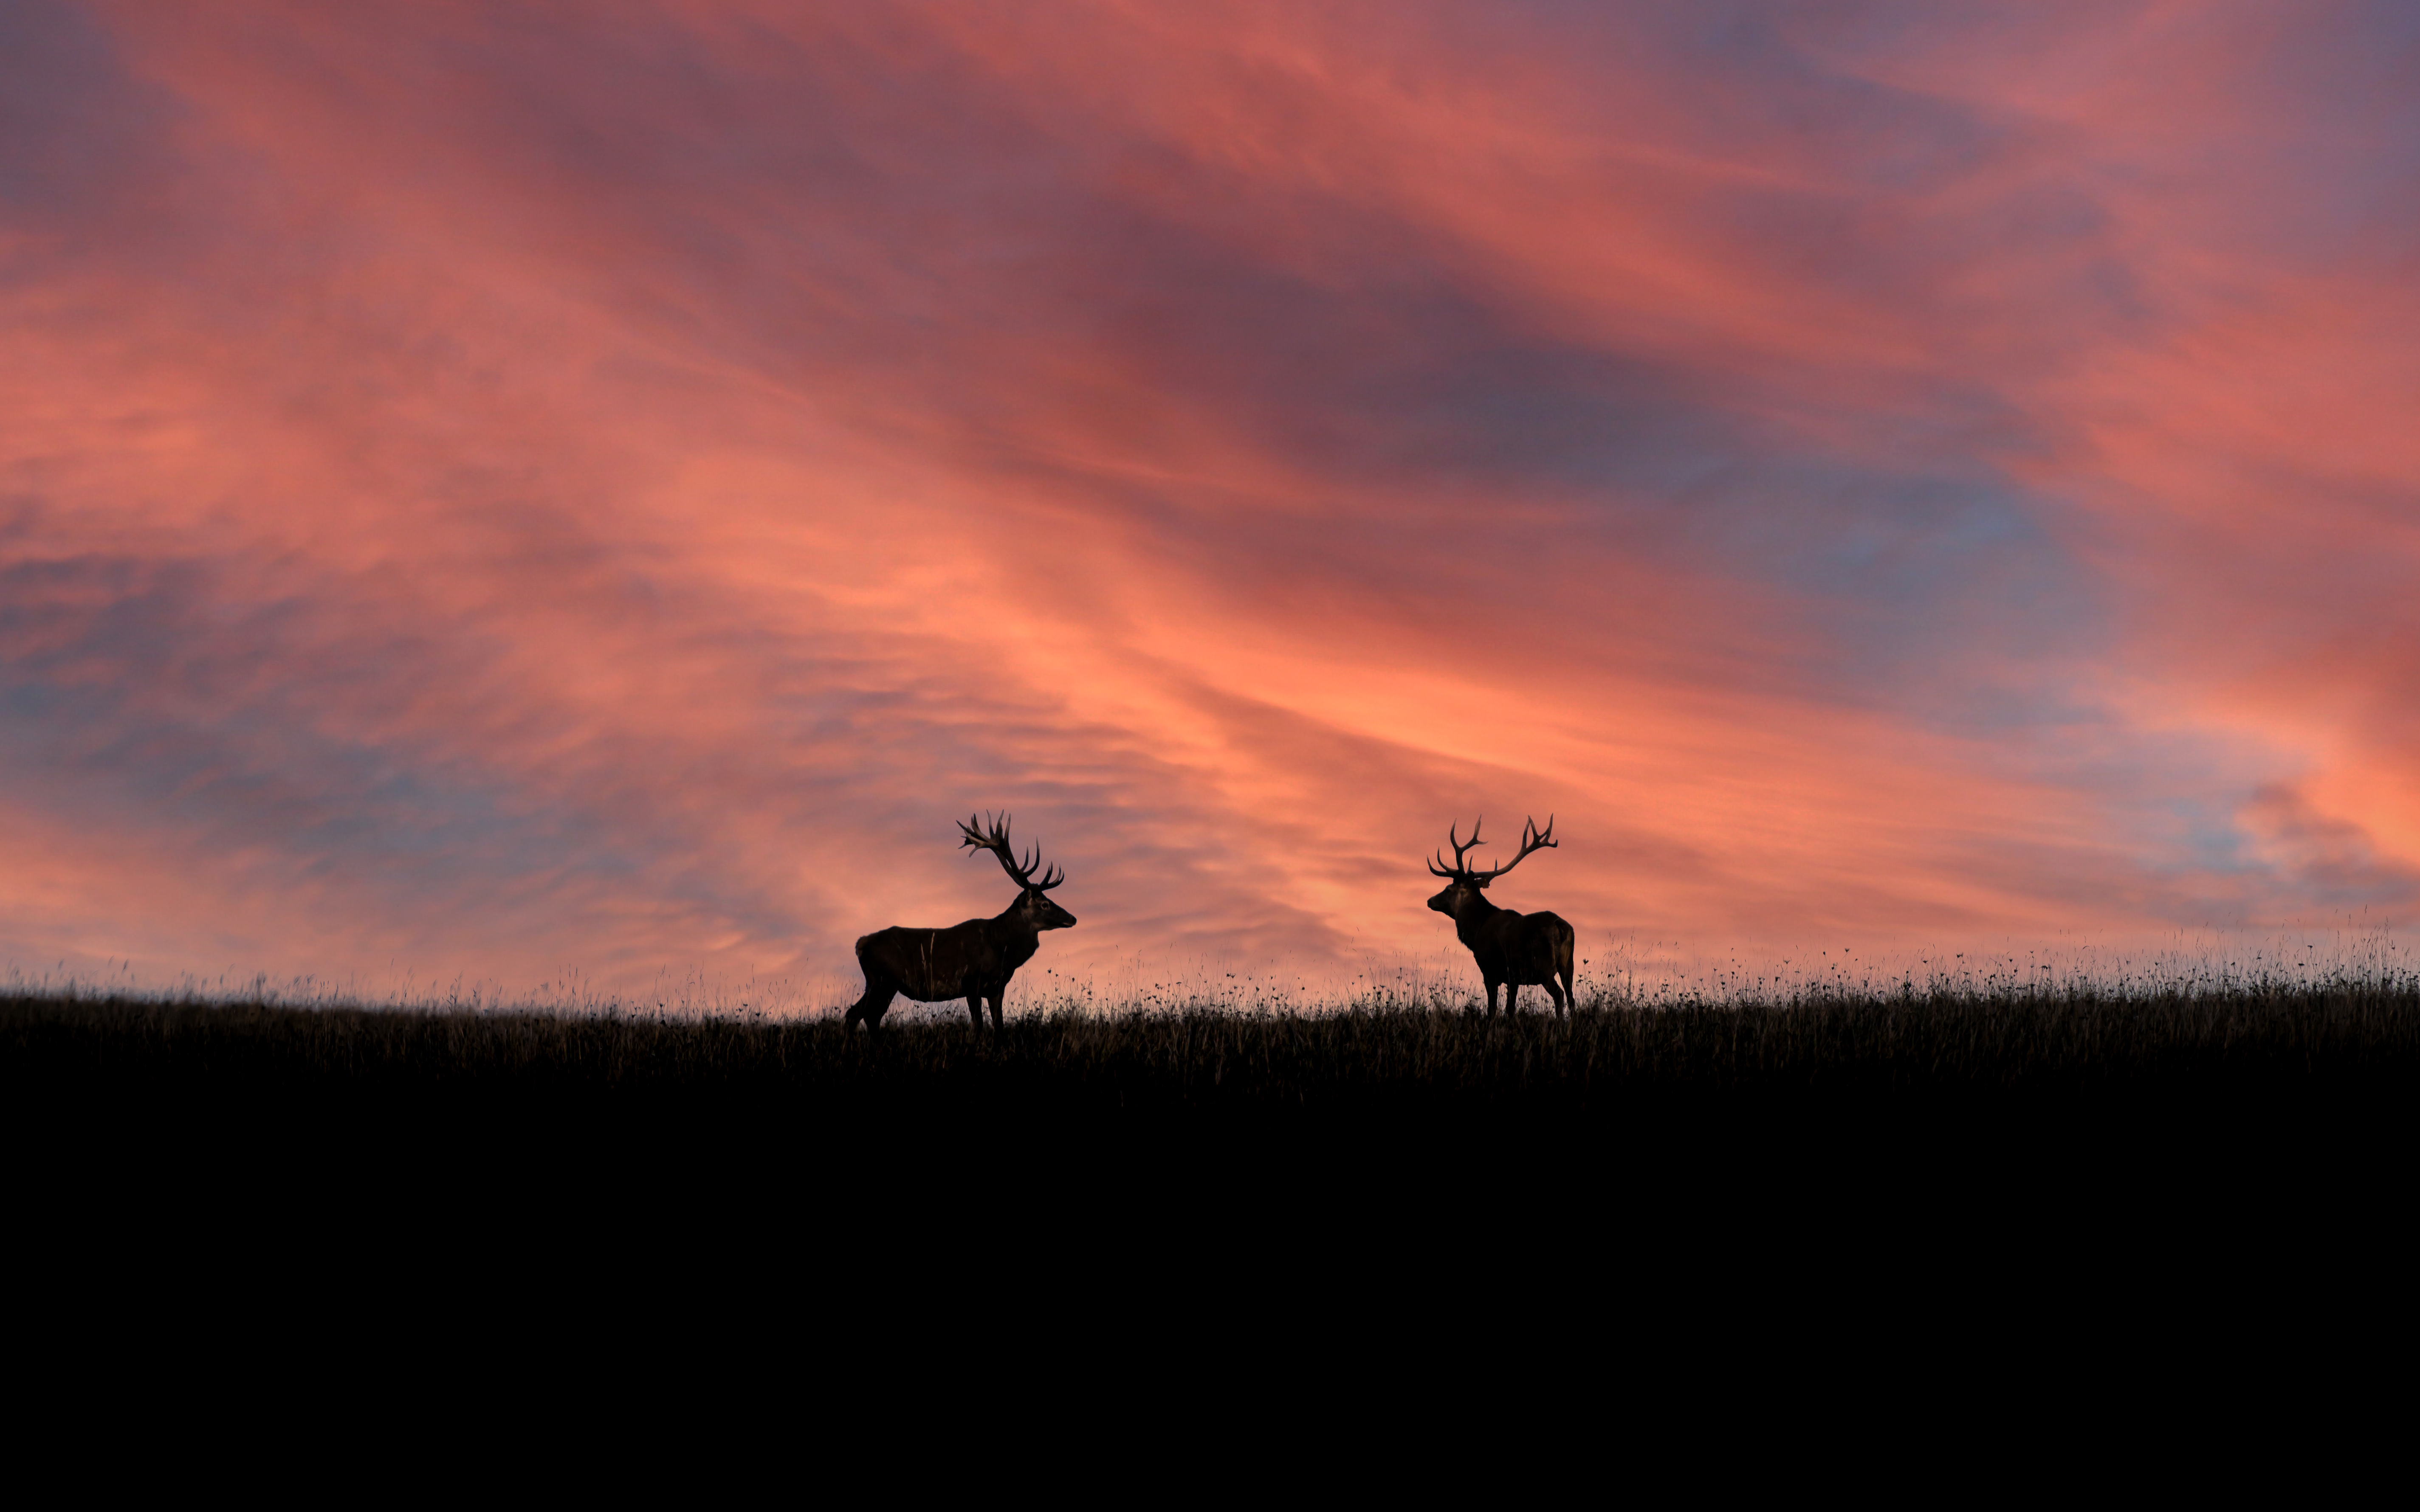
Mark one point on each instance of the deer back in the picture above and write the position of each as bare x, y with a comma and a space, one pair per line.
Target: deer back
934, 965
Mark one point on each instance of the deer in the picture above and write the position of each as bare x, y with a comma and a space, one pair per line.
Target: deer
1513, 948
973, 960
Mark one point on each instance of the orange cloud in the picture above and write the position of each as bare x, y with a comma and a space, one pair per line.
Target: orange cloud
489, 491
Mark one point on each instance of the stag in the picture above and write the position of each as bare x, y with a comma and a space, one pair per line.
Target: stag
973, 960
1514, 949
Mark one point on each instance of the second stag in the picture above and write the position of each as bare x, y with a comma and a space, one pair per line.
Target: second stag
1513, 948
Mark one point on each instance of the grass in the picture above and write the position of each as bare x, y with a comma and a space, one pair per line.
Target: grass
2284, 1038
1704, 1134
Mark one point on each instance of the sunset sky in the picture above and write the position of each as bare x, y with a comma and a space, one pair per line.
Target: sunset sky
498, 491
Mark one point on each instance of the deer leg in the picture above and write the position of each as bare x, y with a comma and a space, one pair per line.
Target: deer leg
1555, 992
1512, 998
974, 1006
1491, 997
871, 1007
995, 993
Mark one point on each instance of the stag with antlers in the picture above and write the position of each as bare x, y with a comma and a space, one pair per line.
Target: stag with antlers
973, 960
1513, 948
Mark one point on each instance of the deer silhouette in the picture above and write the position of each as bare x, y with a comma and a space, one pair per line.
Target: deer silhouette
1513, 948
973, 960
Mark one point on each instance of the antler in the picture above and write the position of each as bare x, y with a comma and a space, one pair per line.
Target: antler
1453, 836
1532, 838
995, 840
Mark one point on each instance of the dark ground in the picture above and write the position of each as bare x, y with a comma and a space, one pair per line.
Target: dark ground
2257, 1079
2076, 1051
1748, 1174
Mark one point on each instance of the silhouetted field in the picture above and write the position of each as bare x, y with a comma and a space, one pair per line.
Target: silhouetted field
2302, 1042
1689, 1135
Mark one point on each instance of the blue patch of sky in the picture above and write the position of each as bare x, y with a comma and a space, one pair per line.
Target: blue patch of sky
76, 129
150, 706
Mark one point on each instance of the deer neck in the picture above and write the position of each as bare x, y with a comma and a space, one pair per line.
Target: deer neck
1014, 937
1010, 924
1473, 916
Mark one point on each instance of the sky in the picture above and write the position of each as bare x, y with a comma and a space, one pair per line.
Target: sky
502, 490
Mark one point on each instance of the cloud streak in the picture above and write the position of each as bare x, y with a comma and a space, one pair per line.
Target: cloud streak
494, 490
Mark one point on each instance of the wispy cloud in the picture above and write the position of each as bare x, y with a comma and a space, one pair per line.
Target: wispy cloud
497, 489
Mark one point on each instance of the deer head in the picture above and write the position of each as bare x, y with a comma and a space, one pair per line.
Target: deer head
1464, 885
1031, 904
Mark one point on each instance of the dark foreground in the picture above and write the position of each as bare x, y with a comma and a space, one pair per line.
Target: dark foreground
2337, 1053
1704, 1194
1212, 1193
1625, 1136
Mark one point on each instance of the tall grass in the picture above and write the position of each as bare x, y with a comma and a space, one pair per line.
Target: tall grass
1380, 1049
2307, 1029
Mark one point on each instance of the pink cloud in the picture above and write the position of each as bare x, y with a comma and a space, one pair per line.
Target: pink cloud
503, 492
